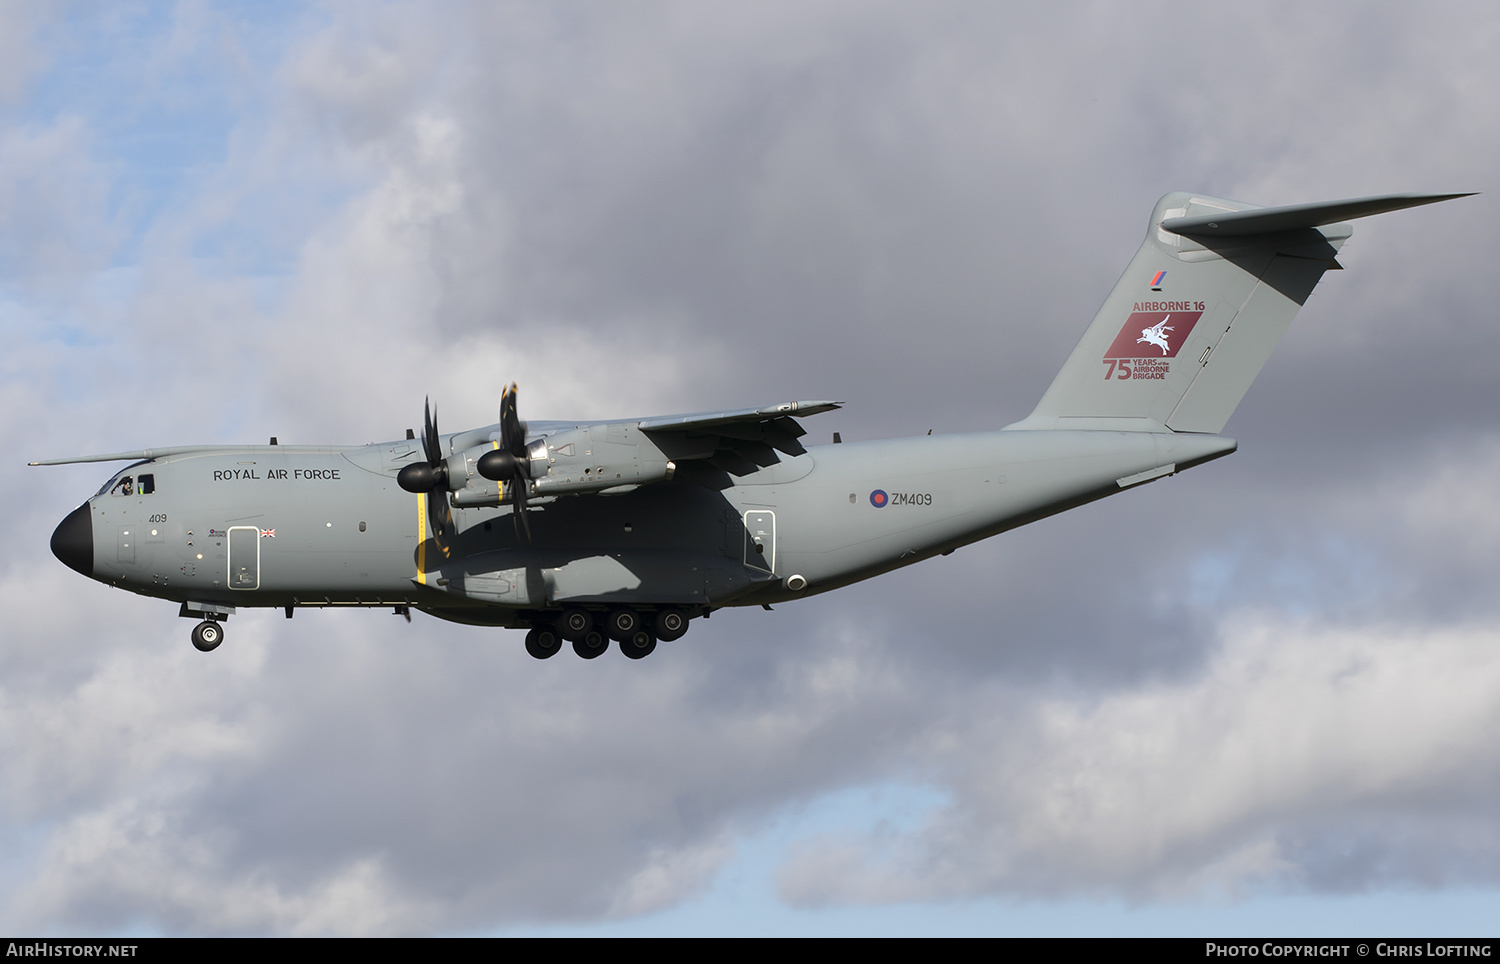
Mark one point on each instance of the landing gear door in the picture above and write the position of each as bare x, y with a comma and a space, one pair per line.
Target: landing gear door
760, 540
244, 557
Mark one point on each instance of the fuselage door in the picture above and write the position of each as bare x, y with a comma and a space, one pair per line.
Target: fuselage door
760, 540
244, 557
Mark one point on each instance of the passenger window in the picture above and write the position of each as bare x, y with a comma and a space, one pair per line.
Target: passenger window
146, 484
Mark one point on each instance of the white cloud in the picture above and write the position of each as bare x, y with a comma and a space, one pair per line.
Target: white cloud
668, 878
52, 202
1213, 783
134, 859
20, 55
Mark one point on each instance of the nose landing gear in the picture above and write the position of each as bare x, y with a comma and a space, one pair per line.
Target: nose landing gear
207, 636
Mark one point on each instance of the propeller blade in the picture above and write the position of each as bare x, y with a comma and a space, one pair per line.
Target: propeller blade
431, 443
440, 519
513, 466
512, 432
431, 475
518, 509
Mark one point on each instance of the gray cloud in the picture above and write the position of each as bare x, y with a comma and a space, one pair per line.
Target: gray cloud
1269, 674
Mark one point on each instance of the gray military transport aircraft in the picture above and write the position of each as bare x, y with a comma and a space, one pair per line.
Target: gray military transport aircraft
627, 529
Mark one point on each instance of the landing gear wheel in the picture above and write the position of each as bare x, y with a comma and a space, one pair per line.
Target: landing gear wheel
575, 623
207, 636
594, 643
670, 624
621, 623
639, 645
543, 642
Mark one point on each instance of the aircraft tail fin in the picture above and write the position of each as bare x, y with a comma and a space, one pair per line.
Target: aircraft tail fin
1187, 328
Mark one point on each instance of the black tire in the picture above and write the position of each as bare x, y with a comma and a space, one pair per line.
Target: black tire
591, 645
575, 623
670, 624
543, 642
207, 636
640, 644
621, 623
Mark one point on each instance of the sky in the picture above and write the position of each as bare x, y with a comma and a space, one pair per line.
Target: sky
1261, 697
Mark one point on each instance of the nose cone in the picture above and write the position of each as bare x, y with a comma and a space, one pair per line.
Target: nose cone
73, 542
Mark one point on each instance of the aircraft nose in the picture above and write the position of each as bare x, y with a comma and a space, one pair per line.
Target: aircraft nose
73, 542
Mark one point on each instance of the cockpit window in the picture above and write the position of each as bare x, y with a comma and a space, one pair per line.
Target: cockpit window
129, 484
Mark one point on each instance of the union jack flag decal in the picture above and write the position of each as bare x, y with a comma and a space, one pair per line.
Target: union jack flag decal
268, 533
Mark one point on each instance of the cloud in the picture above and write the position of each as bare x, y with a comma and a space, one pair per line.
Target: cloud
1300, 757
52, 200
20, 55
1270, 674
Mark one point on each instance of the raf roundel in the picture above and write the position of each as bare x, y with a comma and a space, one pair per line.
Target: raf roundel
879, 499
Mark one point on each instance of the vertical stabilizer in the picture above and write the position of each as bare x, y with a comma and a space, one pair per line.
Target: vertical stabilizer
1186, 330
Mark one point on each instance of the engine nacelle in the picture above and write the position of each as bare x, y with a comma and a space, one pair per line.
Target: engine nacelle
598, 458
470, 488
590, 459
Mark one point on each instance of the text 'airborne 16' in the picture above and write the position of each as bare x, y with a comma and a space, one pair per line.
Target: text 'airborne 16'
628, 529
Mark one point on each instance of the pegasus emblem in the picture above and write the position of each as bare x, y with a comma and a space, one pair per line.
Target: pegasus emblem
1157, 335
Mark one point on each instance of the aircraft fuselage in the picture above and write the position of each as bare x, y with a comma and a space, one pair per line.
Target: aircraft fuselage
283, 526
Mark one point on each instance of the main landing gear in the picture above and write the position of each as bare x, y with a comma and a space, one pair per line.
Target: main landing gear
593, 644
543, 641
207, 636
639, 644
636, 631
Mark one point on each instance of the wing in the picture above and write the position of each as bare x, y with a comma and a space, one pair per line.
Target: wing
710, 420
738, 441
169, 451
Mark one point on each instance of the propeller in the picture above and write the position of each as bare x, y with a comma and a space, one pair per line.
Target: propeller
430, 477
510, 463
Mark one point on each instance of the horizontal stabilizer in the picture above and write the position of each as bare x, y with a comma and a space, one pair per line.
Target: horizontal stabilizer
1294, 217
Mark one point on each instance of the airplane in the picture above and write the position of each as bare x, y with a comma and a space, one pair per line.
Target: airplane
628, 529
